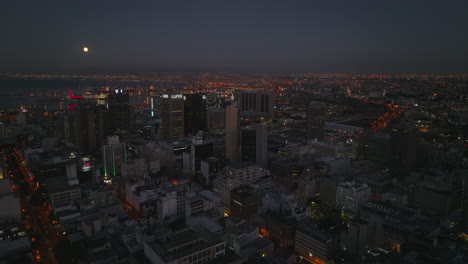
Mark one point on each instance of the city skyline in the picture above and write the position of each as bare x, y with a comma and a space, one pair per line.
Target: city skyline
234, 132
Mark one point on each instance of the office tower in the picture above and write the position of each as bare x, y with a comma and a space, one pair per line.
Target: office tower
315, 121
199, 151
172, 115
155, 104
119, 109
254, 144
114, 153
103, 125
254, 140
194, 113
403, 151
86, 127
248, 144
232, 132
255, 103
151, 130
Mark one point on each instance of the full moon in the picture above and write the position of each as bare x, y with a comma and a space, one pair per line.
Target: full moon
85, 49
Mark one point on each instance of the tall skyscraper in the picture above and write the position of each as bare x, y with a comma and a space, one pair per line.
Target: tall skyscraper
155, 104
254, 144
114, 153
232, 129
315, 121
403, 151
86, 125
248, 147
172, 115
119, 109
194, 113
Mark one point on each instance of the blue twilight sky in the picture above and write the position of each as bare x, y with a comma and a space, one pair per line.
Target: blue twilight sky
354, 36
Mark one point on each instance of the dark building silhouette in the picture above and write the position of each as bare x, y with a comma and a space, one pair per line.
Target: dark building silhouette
254, 144
232, 129
248, 144
194, 113
244, 202
280, 229
119, 109
87, 127
403, 151
172, 115
315, 121
201, 152
211, 167
256, 103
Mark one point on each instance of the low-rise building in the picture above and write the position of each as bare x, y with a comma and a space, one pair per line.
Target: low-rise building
188, 246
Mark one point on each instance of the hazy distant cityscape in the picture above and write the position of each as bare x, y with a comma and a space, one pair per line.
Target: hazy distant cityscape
234, 168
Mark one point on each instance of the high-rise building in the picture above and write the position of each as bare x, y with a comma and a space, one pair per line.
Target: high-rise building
155, 104
86, 125
254, 144
172, 115
194, 113
403, 151
255, 103
248, 147
232, 132
315, 121
198, 151
119, 109
114, 153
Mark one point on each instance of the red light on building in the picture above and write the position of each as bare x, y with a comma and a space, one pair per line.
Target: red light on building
70, 94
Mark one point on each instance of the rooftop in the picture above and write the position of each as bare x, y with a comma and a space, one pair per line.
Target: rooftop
182, 244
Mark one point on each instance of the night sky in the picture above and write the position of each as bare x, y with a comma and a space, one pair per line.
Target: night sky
349, 36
